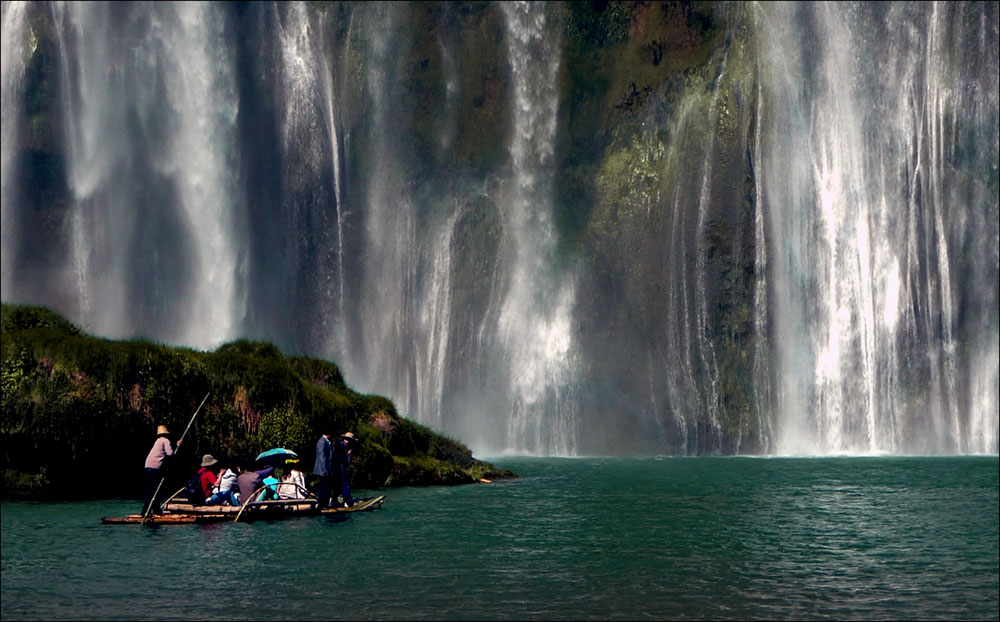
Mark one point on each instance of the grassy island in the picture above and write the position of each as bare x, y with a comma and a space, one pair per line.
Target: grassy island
79, 412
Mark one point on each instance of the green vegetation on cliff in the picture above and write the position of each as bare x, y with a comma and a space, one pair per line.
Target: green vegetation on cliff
79, 412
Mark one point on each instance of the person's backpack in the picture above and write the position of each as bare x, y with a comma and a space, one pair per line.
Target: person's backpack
193, 490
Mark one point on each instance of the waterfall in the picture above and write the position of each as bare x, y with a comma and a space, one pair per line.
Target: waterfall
704, 347
535, 319
447, 123
331, 107
434, 321
309, 213
762, 374
197, 74
552, 228
863, 105
14, 42
387, 296
148, 107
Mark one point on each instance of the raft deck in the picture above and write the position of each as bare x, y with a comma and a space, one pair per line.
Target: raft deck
176, 512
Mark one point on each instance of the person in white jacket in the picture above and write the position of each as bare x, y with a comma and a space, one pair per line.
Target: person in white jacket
226, 490
293, 484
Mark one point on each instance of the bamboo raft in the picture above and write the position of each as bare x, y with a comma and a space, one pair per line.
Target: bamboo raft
177, 511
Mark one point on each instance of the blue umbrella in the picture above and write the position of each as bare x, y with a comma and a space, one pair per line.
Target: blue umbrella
277, 455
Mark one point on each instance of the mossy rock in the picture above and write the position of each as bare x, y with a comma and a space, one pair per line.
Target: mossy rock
27, 317
76, 407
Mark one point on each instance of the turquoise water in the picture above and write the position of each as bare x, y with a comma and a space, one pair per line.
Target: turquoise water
721, 538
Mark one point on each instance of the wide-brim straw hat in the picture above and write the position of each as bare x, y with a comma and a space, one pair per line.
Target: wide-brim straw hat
162, 429
349, 436
207, 460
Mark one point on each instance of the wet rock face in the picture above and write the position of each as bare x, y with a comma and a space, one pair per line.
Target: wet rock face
670, 229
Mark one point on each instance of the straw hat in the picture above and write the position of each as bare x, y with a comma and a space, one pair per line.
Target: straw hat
162, 429
207, 460
349, 436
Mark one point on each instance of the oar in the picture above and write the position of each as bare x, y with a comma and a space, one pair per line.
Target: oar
250, 501
181, 440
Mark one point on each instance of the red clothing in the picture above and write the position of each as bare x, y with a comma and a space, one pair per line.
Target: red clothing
208, 480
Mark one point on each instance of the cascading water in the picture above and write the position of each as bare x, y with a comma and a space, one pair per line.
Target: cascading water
402, 290
201, 159
310, 210
331, 116
691, 372
16, 51
791, 246
390, 252
535, 318
761, 368
149, 114
867, 199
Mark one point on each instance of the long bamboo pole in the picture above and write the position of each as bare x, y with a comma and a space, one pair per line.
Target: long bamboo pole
152, 501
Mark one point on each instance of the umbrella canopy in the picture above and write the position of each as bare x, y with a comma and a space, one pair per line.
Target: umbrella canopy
276, 456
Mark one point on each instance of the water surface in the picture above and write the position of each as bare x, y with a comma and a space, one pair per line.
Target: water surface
655, 538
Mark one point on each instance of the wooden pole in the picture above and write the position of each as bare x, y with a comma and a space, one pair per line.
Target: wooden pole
181, 440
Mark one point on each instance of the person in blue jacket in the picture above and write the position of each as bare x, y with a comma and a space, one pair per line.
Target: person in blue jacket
324, 469
342, 451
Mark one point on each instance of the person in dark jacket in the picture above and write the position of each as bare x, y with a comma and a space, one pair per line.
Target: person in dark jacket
324, 469
343, 449
251, 481
156, 464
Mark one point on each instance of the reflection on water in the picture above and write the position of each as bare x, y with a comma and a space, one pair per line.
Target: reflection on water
685, 538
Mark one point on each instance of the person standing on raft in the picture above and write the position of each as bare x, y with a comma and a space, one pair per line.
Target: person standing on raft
342, 452
156, 463
324, 469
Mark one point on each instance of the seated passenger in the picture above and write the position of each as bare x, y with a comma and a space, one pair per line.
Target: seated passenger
208, 475
272, 488
251, 481
226, 489
293, 484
